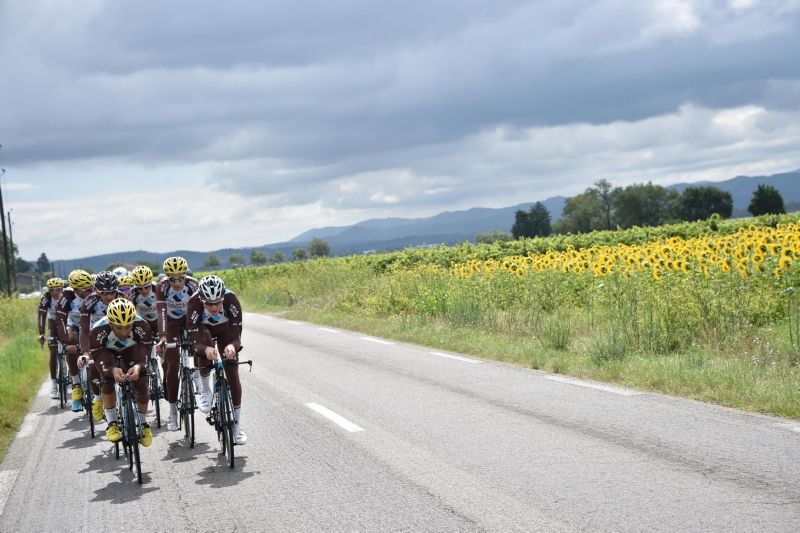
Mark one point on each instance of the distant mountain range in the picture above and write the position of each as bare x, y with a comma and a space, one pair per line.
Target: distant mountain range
445, 228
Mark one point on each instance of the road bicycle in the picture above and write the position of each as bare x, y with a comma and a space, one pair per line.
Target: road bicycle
156, 385
86, 387
186, 401
62, 375
221, 414
130, 426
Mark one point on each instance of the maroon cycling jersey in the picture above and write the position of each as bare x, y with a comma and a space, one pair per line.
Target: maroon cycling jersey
226, 324
171, 304
68, 313
47, 310
106, 347
92, 309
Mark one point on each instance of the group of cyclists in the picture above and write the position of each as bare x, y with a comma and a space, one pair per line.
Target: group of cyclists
111, 321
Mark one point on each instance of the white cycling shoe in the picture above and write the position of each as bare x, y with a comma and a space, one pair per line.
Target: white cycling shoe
54, 392
205, 402
239, 436
172, 423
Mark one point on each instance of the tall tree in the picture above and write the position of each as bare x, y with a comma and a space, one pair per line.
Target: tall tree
298, 254
533, 223
319, 248
257, 257
766, 199
236, 259
605, 195
582, 213
699, 203
278, 257
42, 264
643, 204
211, 260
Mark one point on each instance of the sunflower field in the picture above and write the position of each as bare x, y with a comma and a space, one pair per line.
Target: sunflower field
707, 310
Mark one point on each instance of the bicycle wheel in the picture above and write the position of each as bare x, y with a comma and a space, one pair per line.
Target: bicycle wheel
62, 380
133, 439
87, 404
187, 405
227, 421
155, 390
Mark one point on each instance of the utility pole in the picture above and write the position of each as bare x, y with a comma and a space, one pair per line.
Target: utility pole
5, 239
13, 261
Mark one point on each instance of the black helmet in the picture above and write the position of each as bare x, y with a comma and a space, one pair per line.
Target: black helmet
106, 282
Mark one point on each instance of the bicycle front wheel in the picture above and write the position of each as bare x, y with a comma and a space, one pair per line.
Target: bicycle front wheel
187, 399
133, 439
63, 380
227, 421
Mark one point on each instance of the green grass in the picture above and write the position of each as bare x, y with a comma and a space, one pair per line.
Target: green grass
23, 365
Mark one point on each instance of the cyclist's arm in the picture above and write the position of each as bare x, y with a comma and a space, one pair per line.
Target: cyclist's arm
234, 310
86, 308
61, 319
161, 306
44, 303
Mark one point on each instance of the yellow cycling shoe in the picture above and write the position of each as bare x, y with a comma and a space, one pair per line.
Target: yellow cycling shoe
77, 393
113, 434
97, 410
147, 437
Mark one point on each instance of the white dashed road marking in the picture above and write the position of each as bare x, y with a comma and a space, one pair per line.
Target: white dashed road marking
457, 358
591, 385
379, 341
339, 420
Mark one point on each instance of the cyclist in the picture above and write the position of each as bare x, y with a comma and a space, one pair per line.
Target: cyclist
172, 295
143, 296
47, 316
68, 317
121, 343
215, 330
126, 285
93, 309
120, 271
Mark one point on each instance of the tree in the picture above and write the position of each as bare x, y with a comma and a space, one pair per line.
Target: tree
699, 203
257, 258
42, 264
278, 257
582, 213
319, 248
493, 236
211, 260
236, 260
605, 195
22, 265
766, 199
298, 254
534, 223
643, 204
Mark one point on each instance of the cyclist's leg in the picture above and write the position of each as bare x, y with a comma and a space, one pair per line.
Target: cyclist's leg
109, 396
232, 373
52, 345
204, 367
97, 401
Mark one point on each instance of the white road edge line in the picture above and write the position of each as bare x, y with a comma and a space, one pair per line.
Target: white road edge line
28, 426
295, 322
379, 341
329, 330
7, 480
339, 420
789, 426
590, 385
457, 358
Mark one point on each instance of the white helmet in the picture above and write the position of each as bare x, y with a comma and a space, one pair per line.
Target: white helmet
120, 272
212, 289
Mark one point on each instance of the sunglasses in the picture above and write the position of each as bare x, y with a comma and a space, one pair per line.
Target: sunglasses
209, 304
107, 293
175, 279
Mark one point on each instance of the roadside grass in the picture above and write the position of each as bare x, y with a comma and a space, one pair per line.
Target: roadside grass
23, 365
761, 378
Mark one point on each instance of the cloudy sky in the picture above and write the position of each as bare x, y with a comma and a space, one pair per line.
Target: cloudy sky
201, 125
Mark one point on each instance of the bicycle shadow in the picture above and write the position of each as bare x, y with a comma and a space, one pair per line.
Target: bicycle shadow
220, 475
126, 490
79, 423
56, 410
180, 452
82, 441
106, 461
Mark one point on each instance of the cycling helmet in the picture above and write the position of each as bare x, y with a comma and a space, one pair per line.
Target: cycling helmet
121, 312
106, 282
80, 280
175, 266
126, 281
142, 276
55, 283
212, 289
119, 272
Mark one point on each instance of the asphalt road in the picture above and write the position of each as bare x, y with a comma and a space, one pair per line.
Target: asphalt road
352, 433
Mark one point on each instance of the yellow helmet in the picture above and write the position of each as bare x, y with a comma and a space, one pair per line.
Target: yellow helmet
80, 280
175, 266
55, 283
142, 276
121, 312
126, 281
